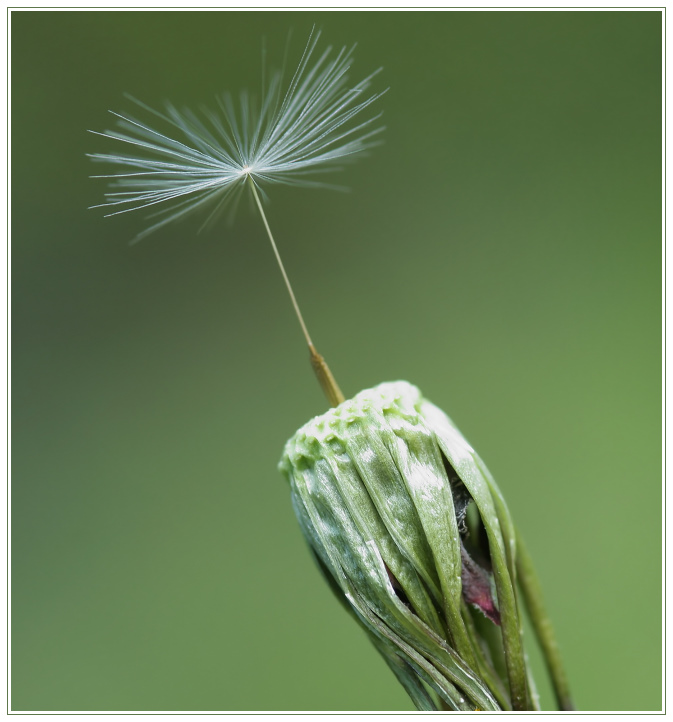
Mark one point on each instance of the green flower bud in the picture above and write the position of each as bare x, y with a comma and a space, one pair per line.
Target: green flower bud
413, 535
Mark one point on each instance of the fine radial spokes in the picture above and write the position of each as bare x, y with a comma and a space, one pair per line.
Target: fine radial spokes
311, 127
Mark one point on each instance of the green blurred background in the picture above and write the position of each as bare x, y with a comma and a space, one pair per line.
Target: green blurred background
502, 251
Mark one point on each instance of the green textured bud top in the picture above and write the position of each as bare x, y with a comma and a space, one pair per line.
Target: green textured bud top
414, 536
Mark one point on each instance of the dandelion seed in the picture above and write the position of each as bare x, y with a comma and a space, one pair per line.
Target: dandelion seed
308, 128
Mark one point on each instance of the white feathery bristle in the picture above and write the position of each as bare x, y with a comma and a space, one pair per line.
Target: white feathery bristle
292, 135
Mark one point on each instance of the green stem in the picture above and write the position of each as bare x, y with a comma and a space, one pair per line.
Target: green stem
532, 594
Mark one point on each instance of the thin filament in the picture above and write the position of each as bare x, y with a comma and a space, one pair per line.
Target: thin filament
320, 368
280, 264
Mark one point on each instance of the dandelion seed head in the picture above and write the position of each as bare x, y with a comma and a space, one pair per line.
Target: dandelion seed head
308, 126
